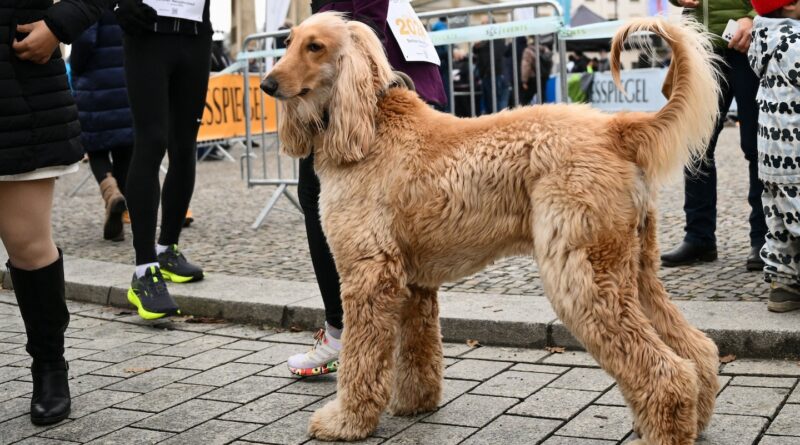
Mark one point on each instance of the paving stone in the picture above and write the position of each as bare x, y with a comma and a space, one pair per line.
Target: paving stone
95, 425
471, 410
767, 382
97, 400
248, 389
171, 337
88, 383
732, 430
517, 355
243, 331
514, 384
14, 389
455, 349
225, 374
555, 403
81, 367
429, 433
8, 373
545, 369
298, 338
291, 430
273, 355
795, 396
195, 346
584, 378
561, 440
475, 369
323, 385
367, 441
164, 398
786, 423
279, 370
7, 359
184, 416
779, 440
319, 403
21, 427
389, 425
746, 400
13, 408
124, 352
209, 359
104, 342
132, 436
136, 366
763, 367
152, 380
248, 345
612, 397
43, 441
213, 432
513, 430
571, 358
596, 422
270, 408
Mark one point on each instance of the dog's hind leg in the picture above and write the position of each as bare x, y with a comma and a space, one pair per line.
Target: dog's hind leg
686, 340
372, 292
589, 271
418, 375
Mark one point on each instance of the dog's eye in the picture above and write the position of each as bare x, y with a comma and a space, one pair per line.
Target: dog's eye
314, 47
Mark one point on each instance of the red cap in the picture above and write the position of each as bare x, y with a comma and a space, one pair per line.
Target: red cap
766, 6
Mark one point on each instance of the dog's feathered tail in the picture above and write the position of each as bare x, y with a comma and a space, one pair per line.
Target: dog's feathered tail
679, 132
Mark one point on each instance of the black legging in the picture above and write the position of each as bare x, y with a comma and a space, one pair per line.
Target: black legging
167, 76
116, 162
321, 257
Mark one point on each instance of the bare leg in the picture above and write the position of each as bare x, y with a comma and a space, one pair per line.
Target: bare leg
25, 209
418, 375
372, 294
686, 340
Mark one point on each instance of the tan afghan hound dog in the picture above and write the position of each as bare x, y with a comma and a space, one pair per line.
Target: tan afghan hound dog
412, 198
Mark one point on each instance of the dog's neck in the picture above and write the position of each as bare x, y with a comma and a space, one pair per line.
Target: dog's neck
397, 82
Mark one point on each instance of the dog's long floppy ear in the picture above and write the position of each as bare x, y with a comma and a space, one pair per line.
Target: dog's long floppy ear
295, 133
363, 71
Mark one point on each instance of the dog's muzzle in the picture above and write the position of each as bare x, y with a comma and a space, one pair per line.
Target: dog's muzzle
269, 85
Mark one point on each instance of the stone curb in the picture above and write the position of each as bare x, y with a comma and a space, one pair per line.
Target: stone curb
745, 329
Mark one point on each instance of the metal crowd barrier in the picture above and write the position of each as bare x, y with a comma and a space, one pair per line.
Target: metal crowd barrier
262, 145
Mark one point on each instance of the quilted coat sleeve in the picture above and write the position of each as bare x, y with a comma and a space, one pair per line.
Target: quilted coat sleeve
82, 50
67, 19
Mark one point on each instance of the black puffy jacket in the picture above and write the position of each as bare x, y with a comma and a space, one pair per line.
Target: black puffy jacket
38, 118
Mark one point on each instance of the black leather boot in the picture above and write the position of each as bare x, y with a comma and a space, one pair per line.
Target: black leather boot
687, 254
40, 295
754, 261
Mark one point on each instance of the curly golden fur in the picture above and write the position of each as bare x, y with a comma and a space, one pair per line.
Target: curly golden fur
412, 198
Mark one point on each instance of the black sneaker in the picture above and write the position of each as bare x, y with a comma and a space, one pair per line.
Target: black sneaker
150, 295
175, 268
783, 298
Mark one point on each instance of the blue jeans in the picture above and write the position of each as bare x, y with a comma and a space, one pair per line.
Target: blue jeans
503, 93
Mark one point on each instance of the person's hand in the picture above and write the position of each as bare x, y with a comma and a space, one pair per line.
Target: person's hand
134, 16
525, 86
39, 44
689, 3
741, 40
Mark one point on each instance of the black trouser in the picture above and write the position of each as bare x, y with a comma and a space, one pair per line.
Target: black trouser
321, 257
167, 76
700, 205
116, 162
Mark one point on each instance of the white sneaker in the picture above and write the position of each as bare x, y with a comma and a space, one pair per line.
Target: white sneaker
323, 357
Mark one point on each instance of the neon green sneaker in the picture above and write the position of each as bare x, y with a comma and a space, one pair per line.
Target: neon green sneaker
150, 295
176, 268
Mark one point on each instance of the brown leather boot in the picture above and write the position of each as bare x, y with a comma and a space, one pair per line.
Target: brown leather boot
115, 206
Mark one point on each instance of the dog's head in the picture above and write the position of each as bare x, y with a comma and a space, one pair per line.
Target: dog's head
328, 85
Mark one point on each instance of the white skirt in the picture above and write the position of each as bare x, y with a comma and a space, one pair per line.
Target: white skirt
42, 173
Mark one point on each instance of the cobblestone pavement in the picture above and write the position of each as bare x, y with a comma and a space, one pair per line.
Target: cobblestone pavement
136, 382
222, 241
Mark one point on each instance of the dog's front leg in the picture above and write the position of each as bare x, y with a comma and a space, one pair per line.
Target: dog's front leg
372, 293
418, 379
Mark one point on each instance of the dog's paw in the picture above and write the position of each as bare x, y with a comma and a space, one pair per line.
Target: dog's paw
332, 423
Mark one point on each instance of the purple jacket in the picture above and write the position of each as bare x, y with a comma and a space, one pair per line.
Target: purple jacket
373, 12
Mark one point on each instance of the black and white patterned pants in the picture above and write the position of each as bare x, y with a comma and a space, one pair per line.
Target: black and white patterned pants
781, 251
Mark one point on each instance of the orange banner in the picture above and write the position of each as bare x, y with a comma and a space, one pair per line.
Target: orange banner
224, 115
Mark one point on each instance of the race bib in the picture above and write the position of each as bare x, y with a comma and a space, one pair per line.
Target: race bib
410, 33
180, 9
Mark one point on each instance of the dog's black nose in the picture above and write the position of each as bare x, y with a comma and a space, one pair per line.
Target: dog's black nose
269, 85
